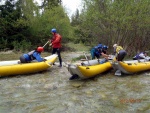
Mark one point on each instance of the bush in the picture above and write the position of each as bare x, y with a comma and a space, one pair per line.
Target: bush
22, 46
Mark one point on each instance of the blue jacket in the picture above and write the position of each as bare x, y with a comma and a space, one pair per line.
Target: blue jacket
139, 56
33, 55
97, 49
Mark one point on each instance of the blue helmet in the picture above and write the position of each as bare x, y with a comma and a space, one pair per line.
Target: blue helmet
100, 46
105, 47
53, 30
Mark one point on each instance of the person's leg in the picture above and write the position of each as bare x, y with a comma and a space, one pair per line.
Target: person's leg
22, 59
97, 56
59, 56
103, 61
121, 56
54, 50
92, 54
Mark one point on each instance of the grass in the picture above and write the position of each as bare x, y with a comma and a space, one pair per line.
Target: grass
78, 47
10, 55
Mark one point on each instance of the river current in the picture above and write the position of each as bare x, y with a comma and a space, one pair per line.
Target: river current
51, 91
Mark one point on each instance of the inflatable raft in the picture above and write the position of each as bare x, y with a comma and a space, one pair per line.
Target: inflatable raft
88, 69
131, 67
8, 68
13, 62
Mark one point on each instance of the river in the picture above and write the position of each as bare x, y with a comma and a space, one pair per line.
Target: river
51, 91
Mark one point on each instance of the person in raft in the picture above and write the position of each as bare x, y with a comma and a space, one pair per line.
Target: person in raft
95, 51
142, 55
120, 53
33, 55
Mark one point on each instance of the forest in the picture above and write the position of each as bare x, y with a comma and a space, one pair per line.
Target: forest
24, 24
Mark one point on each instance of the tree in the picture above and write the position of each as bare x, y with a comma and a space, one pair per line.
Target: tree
10, 14
75, 18
117, 21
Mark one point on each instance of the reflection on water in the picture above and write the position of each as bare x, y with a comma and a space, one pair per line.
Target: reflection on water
52, 92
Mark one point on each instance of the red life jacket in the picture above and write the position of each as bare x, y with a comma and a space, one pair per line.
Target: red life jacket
56, 41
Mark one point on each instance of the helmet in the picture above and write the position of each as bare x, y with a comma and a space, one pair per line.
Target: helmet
100, 46
53, 30
114, 45
105, 47
40, 49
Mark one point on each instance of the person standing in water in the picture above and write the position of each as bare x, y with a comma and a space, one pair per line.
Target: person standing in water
56, 44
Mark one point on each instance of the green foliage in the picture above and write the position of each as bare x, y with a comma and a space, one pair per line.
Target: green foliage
3, 43
13, 26
54, 18
124, 22
78, 58
50, 4
77, 47
75, 19
24, 21
22, 46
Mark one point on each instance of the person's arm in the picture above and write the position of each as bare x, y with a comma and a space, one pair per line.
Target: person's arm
105, 55
38, 57
142, 55
51, 40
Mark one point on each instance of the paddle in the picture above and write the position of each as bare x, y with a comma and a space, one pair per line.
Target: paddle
45, 44
43, 47
86, 58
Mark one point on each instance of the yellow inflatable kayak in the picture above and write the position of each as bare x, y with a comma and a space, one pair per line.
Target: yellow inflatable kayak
27, 68
88, 69
131, 67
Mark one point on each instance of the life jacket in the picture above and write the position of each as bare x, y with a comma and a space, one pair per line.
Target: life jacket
118, 48
138, 55
56, 41
97, 52
31, 54
98, 48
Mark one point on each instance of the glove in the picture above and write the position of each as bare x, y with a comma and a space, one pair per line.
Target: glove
50, 44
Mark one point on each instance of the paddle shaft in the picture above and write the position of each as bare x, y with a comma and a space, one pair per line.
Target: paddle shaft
86, 58
45, 44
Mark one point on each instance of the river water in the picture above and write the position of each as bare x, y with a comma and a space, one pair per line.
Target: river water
51, 91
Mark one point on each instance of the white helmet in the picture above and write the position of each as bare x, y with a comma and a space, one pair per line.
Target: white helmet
114, 45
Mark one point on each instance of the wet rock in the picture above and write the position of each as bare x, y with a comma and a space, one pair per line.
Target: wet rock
145, 108
74, 98
89, 92
77, 85
103, 95
38, 108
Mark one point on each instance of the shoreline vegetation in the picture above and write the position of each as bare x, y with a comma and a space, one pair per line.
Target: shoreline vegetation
75, 48
24, 25
74, 51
